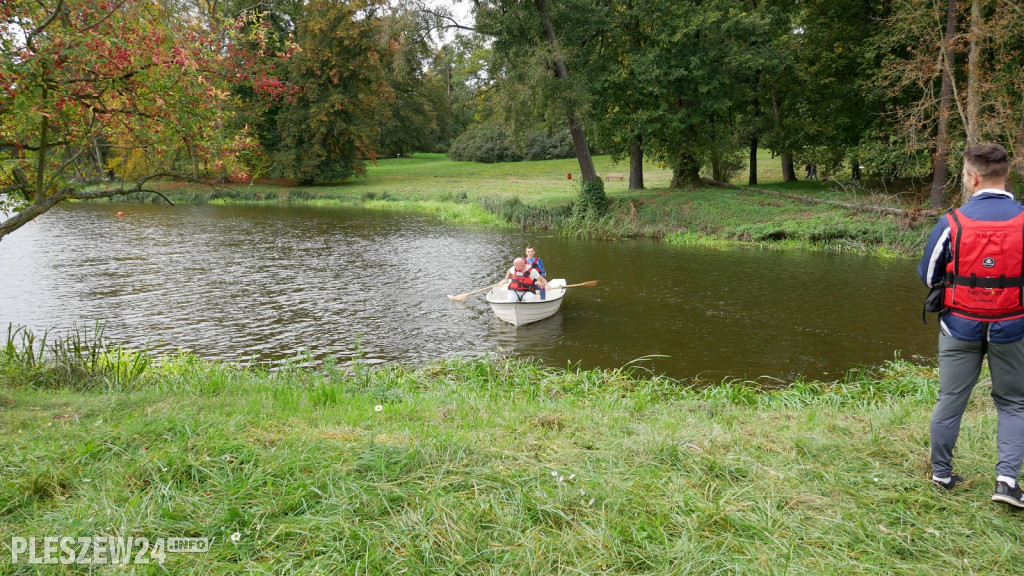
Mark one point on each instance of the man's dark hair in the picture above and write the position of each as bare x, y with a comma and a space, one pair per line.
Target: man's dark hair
990, 161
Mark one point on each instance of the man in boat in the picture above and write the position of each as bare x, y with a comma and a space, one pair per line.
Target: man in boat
534, 261
974, 260
523, 282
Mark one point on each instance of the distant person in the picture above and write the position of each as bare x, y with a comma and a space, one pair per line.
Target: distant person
812, 171
523, 282
534, 261
974, 260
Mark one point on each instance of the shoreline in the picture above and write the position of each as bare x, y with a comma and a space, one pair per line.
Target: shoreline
802, 215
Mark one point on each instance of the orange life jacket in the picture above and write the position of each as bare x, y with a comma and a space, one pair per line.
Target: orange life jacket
522, 281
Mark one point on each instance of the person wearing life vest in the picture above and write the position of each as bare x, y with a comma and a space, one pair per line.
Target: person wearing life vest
975, 255
523, 282
534, 261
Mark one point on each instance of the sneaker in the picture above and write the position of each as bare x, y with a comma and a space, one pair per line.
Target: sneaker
1012, 496
954, 481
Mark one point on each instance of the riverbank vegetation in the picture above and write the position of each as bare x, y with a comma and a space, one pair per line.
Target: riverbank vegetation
835, 215
490, 466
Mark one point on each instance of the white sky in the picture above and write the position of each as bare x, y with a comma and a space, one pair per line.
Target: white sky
461, 9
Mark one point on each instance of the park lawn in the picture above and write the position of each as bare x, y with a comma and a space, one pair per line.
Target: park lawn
496, 466
425, 176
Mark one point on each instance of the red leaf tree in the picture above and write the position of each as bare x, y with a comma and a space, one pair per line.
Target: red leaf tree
98, 98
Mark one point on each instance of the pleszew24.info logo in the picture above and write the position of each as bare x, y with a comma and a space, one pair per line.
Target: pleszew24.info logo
101, 550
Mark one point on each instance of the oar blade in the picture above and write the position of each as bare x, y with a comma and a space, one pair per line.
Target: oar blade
589, 283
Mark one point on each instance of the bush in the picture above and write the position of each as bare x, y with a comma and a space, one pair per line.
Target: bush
543, 145
490, 142
483, 143
592, 199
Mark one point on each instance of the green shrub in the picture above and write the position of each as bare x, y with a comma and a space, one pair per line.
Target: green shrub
544, 145
492, 143
592, 199
483, 143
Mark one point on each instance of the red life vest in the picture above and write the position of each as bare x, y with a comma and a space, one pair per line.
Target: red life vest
985, 276
522, 281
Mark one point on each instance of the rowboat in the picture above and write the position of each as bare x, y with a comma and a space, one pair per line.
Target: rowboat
519, 313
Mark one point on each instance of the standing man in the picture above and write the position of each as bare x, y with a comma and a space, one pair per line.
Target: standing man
977, 254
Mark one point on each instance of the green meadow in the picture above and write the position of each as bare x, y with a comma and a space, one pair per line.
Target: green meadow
489, 466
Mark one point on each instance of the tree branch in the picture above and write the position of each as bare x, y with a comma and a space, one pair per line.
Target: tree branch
39, 29
105, 16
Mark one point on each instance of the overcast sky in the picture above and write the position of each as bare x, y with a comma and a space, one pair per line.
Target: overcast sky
461, 8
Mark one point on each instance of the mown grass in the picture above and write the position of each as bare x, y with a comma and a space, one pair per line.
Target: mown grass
539, 194
497, 466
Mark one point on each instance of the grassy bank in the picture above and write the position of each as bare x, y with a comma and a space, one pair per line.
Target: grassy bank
491, 467
539, 194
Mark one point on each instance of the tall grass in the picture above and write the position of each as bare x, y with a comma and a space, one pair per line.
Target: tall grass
80, 360
500, 466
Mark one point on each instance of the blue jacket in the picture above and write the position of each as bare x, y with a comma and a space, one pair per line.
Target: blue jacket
536, 263
992, 205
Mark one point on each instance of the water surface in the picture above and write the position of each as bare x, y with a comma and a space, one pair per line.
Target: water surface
266, 283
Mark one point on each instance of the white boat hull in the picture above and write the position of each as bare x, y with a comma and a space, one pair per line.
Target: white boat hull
520, 313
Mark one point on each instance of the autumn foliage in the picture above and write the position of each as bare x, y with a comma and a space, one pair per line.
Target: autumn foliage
114, 93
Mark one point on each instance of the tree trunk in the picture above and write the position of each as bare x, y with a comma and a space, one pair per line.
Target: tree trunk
973, 71
752, 180
579, 139
44, 146
788, 173
940, 163
101, 170
636, 163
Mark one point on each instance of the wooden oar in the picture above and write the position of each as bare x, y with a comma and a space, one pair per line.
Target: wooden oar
461, 297
587, 284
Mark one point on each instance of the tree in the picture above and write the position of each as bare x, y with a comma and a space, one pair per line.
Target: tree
823, 110
687, 64
940, 162
129, 77
322, 118
534, 75
621, 102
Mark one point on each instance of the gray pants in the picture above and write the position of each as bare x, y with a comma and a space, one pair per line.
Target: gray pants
959, 368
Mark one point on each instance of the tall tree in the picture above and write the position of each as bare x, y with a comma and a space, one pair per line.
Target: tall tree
579, 138
334, 96
621, 101
975, 36
532, 64
687, 63
947, 59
